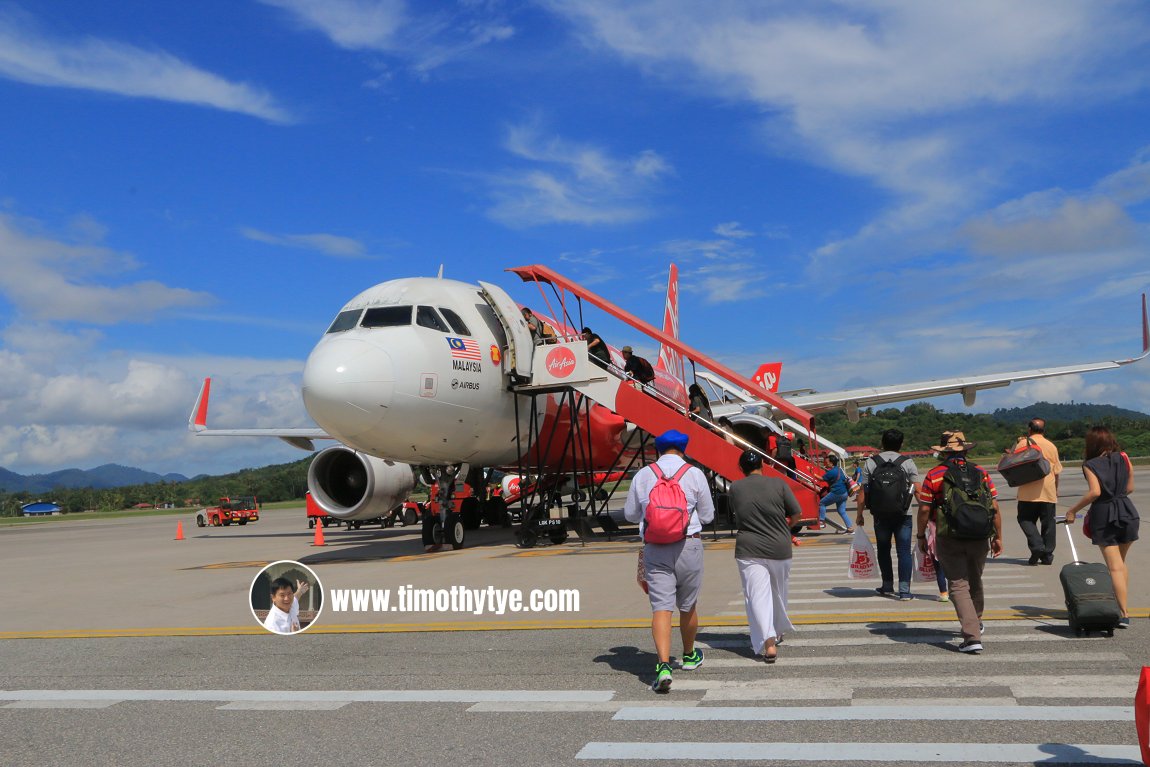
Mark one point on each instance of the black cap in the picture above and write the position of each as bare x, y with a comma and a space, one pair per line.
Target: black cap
749, 461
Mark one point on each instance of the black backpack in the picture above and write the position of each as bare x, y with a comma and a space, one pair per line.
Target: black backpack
967, 508
782, 448
646, 372
888, 492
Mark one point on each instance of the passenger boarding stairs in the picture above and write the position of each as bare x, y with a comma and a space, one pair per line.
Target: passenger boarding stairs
567, 365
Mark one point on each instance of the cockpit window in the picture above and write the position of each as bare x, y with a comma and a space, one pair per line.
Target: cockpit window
386, 317
345, 321
455, 321
427, 317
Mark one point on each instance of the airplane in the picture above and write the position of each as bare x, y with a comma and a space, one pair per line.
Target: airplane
421, 377
414, 374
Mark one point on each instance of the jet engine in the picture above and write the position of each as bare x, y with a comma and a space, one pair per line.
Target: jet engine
351, 485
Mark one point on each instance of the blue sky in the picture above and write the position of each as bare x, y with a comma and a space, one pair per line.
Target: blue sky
872, 192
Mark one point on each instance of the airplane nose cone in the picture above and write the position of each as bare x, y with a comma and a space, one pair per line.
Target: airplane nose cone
347, 386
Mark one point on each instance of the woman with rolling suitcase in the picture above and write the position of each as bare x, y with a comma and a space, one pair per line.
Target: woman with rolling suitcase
1112, 521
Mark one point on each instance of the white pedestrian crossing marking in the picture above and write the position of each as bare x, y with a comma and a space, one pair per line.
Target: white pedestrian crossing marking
877, 713
1039, 753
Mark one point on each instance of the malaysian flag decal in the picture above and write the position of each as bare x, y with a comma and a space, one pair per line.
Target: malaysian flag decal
463, 348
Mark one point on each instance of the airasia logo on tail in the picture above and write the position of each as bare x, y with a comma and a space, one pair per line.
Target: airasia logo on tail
767, 376
560, 362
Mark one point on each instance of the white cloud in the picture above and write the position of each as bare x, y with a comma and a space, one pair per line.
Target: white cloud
733, 230
328, 244
884, 91
1051, 223
54, 281
428, 41
351, 24
572, 183
27, 55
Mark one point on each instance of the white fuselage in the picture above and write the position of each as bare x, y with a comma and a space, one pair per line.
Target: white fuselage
412, 370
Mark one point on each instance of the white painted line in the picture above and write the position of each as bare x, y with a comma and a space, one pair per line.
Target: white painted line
313, 696
1125, 683
552, 706
912, 639
990, 596
943, 702
1042, 753
888, 628
916, 713
61, 704
285, 705
918, 659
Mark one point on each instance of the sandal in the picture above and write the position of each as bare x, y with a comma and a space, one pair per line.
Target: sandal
770, 651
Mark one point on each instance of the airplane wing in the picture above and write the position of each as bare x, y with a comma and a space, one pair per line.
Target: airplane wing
852, 399
198, 425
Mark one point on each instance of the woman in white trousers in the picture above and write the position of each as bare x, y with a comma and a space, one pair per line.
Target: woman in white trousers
764, 509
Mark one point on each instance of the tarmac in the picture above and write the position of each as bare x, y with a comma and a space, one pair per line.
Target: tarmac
130, 577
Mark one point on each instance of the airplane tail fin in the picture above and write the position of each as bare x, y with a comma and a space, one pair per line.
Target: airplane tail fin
669, 359
198, 420
768, 375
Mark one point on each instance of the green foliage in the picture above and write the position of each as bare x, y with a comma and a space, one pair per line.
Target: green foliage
923, 423
283, 482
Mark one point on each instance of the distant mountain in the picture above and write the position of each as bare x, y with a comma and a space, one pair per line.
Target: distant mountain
1074, 411
100, 478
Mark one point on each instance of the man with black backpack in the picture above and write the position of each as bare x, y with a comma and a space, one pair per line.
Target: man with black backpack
961, 500
889, 483
671, 501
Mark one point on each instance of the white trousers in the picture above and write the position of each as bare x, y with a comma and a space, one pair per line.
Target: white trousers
765, 596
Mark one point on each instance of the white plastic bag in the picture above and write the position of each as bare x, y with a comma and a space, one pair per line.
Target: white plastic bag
862, 562
923, 566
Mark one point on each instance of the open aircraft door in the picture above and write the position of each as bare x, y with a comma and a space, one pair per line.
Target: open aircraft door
520, 344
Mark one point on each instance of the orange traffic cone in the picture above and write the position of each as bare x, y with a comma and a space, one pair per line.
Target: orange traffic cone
318, 534
179, 530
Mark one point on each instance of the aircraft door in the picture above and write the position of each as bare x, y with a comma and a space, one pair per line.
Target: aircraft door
521, 346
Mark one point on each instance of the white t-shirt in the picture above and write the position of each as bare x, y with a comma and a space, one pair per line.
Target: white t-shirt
281, 622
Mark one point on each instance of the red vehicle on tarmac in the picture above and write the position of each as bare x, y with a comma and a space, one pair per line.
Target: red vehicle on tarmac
240, 510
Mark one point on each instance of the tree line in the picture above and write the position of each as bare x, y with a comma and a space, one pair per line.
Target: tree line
282, 482
923, 423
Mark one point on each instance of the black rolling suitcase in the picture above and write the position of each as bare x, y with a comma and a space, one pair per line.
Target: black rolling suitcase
1089, 594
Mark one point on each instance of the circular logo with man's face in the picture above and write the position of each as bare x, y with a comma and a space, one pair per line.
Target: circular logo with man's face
560, 362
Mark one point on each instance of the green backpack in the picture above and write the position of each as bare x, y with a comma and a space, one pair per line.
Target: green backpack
967, 507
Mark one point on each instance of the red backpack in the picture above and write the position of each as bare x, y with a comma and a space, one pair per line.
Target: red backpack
667, 517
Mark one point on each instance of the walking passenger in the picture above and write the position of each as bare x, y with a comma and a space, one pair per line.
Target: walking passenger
637, 367
961, 500
764, 509
1112, 521
836, 495
671, 501
889, 484
597, 348
1037, 500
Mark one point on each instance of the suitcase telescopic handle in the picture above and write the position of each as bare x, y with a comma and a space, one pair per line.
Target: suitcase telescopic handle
1070, 537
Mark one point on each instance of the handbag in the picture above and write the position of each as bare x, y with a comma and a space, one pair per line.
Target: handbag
641, 574
1025, 465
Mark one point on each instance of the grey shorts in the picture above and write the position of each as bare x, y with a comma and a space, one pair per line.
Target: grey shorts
674, 574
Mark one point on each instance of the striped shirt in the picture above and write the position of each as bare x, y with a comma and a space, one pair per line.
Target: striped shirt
931, 492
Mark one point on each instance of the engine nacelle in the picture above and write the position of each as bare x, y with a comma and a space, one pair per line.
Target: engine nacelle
351, 485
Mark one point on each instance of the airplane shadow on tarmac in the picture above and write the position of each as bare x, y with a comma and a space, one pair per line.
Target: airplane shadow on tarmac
366, 545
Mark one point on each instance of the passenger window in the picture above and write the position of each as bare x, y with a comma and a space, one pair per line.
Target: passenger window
427, 317
386, 317
455, 321
345, 321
